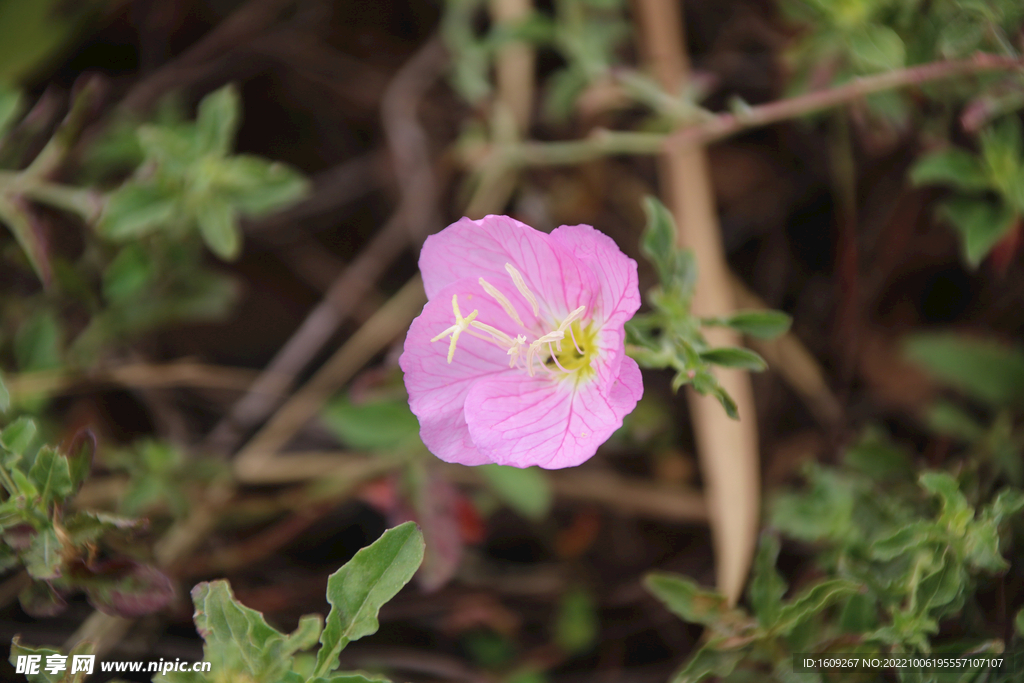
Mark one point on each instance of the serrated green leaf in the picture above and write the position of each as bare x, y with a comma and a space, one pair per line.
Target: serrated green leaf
757, 324
525, 490
374, 426
766, 585
901, 541
135, 210
217, 120
942, 586
43, 559
980, 222
956, 511
18, 435
174, 147
238, 640
955, 167
218, 224
359, 589
811, 602
875, 47
734, 357
981, 368
686, 599
52, 476
305, 635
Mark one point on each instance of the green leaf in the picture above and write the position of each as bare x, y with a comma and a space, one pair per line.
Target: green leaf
18, 435
734, 357
708, 662
217, 120
766, 585
89, 525
12, 103
25, 226
80, 456
876, 48
659, 237
956, 511
1019, 623
359, 589
577, 622
860, 614
5, 396
901, 541
686, 599
953, 166
306, 634
218, 225
811, 602
135, 210
757, 324
1001, 149
43, 559
981, 368
257, 187
980, 222
129, 273
239, 642
17, 649
949, 420
380, 425
37, 344
351, 677
51, 475
525, 490
878, 458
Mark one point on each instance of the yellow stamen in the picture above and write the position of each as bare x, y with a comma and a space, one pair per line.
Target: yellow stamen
520, 283
460, 326
502, 339
501, 299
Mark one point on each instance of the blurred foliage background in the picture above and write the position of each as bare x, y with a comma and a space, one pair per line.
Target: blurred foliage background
212, 211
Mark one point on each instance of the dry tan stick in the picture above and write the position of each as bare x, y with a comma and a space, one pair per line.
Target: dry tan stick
727, 449
389, 322
135, 376
788, 356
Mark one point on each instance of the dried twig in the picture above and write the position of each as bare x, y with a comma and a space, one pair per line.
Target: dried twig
727, 449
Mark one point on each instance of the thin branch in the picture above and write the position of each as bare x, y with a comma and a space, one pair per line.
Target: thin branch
727, 124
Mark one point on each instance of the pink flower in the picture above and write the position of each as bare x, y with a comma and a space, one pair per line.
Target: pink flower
518, 357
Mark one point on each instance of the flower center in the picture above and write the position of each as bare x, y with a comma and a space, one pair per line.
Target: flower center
564, 349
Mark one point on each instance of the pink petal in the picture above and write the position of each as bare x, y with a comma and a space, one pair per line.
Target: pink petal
469, 248
437, 389
522, 421
615, 272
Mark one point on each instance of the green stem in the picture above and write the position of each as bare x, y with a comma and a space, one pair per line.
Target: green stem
83, 202
7, 482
